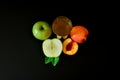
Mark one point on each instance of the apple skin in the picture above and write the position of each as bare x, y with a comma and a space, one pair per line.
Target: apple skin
41, 30
52, 47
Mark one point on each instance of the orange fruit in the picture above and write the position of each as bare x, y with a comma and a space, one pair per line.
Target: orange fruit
69, 47
79, 34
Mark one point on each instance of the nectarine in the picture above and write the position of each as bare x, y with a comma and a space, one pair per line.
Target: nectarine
79, 34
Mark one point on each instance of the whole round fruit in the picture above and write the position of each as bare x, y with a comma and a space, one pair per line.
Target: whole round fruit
79, 34
41, 30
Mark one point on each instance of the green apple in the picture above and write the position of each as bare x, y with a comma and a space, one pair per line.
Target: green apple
41, 30
52, 47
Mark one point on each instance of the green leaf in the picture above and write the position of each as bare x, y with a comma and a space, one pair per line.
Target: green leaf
55, 61
48, 60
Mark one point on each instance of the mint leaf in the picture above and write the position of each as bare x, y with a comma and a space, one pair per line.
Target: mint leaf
55, 61
48, 60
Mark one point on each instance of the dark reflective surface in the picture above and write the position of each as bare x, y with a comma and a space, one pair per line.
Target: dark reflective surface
21, 55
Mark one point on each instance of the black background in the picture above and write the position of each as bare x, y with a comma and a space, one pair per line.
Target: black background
21, 55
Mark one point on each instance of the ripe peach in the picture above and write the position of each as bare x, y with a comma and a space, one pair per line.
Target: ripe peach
70, 47
79, 34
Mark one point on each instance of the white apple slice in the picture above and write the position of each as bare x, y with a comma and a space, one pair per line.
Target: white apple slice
52, 47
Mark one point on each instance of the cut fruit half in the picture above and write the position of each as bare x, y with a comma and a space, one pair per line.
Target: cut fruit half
70, 47
52, 47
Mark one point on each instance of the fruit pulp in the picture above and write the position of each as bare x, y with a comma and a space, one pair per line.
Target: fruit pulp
69, 46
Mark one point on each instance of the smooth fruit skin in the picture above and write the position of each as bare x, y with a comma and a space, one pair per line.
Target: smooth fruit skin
70, 47
41, 30
52, 47
79, 34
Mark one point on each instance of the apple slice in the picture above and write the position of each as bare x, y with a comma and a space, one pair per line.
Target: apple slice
52, 47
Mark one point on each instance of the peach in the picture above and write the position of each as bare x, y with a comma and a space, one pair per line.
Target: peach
79, 34
70, 47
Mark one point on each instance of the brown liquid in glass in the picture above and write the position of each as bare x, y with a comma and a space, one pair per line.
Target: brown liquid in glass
62, 26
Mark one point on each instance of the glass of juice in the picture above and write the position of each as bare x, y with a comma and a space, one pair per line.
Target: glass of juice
62, 26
